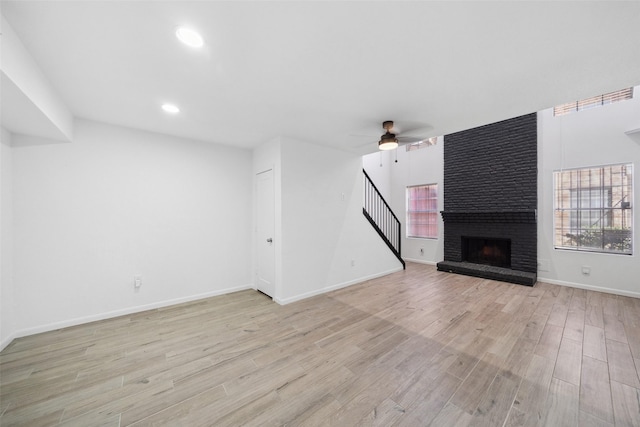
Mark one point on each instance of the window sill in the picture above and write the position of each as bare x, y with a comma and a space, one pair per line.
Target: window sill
590, 251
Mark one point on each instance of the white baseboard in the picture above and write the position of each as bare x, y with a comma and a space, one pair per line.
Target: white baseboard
116, 313
420, 261
334, 287
589, 287
4, 343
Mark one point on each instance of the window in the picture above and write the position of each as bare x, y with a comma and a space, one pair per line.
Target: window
422, 144
422, 211
593, 209
593, 205
596, 101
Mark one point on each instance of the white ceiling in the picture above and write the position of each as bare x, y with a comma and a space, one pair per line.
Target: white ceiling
323, 71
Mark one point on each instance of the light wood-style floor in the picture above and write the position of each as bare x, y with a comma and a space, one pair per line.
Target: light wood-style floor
415, 348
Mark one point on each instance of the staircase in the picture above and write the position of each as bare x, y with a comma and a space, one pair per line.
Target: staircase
381, 217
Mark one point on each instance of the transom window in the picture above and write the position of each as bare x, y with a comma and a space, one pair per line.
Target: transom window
594, 101
422, 211
422, 144
593, 209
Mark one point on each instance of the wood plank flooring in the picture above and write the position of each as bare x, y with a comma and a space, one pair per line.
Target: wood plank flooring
415, 348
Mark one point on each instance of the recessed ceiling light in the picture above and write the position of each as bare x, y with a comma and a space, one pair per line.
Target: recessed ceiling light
170, 108
189, 37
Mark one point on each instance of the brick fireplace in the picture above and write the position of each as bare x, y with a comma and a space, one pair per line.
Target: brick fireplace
490, 199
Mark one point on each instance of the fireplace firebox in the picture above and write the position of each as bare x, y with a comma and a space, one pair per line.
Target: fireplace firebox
487, 251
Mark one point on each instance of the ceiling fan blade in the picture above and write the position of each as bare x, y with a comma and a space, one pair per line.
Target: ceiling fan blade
409, 139
409, 127
371, 135
422, 132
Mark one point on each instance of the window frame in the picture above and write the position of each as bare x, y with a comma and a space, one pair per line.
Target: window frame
425, 143
431, 212
574, 221
593, 102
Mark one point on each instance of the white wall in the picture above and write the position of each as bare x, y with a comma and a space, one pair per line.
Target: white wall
378, 166
323, 228
423, 166
91, 214
587, 138
7, 325
419, 167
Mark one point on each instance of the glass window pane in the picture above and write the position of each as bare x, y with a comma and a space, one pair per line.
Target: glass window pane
593, 209
422, 211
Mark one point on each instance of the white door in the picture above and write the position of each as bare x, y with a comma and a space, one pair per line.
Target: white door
265, 228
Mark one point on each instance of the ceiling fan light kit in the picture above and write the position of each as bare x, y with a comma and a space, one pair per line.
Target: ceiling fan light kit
388, 141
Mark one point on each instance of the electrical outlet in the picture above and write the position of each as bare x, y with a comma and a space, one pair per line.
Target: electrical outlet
353, 263
137, 281
586, 270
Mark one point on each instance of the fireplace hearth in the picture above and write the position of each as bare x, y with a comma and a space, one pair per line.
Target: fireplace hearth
509, 255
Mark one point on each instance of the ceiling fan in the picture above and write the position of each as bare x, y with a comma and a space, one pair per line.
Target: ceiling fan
393, 136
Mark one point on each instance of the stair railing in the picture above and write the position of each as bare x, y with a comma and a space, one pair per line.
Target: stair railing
381, 217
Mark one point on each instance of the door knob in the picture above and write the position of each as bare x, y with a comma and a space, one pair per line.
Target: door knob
269, 240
